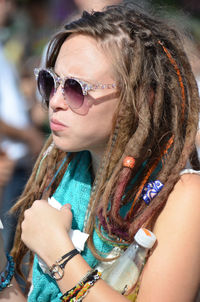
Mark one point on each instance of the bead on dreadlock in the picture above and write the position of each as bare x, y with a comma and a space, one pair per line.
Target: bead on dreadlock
151, 189
129, 162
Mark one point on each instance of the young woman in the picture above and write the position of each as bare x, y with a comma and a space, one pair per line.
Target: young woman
123, 110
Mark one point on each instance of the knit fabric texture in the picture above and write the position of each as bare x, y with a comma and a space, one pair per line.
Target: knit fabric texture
74, 188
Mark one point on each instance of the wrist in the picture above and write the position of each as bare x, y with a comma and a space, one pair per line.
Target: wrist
62, 246
57, 269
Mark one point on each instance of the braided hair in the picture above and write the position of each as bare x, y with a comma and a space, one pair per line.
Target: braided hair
155, 123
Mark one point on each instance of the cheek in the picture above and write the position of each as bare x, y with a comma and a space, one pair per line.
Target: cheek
100, 118
89, 131
96, 128
93, 131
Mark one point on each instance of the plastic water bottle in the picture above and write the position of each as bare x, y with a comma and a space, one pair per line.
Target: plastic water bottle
104, 266
124, 272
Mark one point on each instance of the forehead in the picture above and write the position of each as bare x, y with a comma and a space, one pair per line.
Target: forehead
82, 56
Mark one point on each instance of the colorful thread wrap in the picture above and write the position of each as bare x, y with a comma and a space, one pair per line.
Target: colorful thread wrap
73, 291
78, 292
84, 291
178, 72
151, 190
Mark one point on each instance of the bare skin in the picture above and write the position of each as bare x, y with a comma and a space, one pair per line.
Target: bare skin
173, 270
95, 5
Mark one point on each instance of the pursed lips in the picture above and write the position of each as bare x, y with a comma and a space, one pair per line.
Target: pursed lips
56, 125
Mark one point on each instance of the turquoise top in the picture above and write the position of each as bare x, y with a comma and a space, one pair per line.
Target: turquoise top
75, 188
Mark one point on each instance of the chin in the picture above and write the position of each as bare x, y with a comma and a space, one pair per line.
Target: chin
66, 147
58, 142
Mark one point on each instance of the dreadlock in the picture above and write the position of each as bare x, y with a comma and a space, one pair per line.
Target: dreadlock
156, 123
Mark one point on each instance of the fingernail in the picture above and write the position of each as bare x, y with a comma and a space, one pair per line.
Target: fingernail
67, 206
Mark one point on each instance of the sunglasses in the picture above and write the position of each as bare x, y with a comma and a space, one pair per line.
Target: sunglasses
73, 90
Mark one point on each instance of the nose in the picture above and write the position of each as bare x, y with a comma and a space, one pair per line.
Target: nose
57, 100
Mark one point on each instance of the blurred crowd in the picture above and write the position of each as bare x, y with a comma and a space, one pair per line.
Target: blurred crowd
25, 29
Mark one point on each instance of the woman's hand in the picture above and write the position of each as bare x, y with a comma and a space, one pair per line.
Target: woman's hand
45, 230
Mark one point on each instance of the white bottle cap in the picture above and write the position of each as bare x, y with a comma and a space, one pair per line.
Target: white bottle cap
145, 238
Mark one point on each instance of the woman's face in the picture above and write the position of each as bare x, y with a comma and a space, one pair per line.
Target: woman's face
81, 57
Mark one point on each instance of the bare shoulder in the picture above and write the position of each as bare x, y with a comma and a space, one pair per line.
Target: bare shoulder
179, 219
183, 203
177, 253
188, 184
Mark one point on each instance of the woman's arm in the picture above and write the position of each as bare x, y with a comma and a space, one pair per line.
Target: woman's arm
172, 273
75, 270
53, 242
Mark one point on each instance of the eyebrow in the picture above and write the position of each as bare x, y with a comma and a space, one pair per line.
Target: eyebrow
88, 81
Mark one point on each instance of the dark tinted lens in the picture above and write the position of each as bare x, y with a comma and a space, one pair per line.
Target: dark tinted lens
74, 93
45, 84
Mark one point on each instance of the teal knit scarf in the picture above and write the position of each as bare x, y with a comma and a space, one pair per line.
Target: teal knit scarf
74, 188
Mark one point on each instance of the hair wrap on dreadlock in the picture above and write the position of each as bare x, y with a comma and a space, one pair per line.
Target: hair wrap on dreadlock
173, 62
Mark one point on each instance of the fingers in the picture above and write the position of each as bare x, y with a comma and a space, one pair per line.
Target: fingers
67, 206
66, 209
41, 212
54, 224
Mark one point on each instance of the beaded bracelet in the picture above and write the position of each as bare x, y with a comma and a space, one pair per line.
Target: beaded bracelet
9, 272
91, 276
4, 273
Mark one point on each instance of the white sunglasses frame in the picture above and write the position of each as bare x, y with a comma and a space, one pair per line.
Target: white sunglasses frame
61, 81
